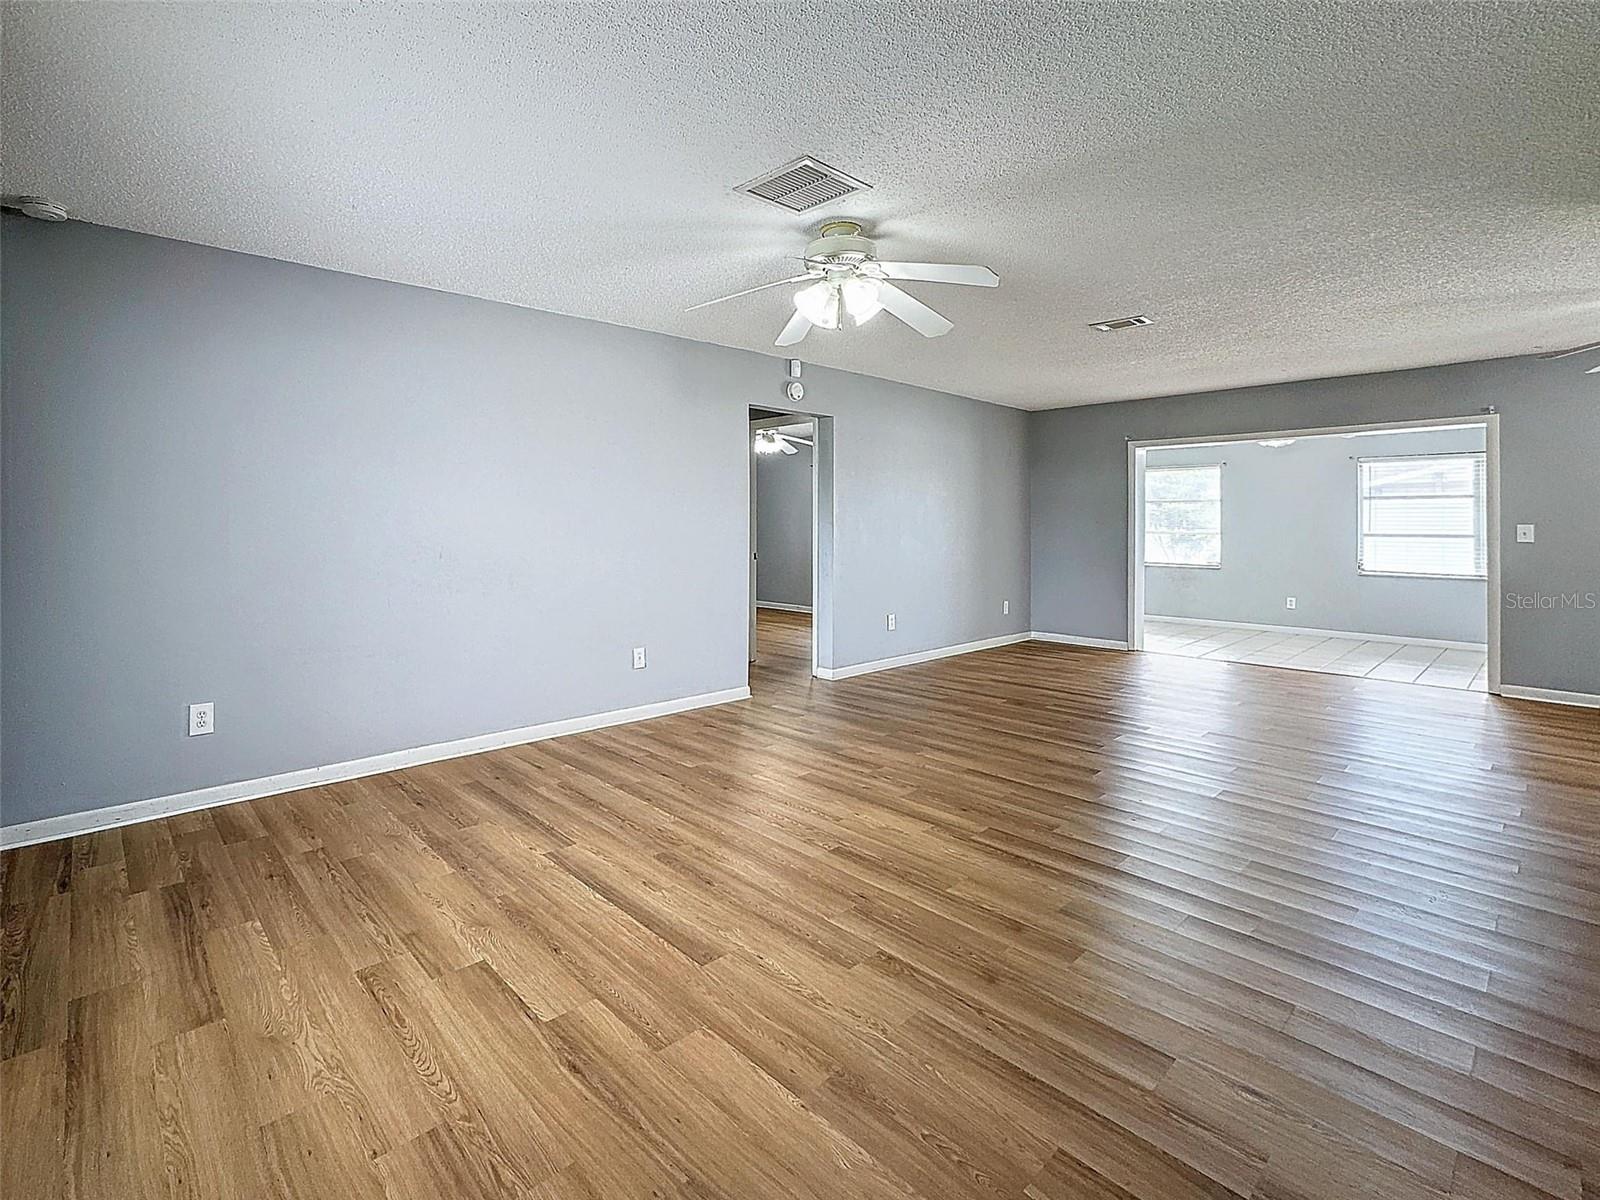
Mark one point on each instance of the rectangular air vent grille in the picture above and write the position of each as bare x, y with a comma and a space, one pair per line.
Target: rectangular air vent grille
802, 185
1121, 323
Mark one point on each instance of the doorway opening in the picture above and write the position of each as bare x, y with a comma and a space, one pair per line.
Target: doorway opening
790, 546
1366, 551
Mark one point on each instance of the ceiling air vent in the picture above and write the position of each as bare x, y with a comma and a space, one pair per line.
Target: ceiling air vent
802, 185
1121, 323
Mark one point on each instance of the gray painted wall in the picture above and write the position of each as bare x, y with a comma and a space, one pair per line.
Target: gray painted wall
783, 528
363, 517
1291, 527
1550, 448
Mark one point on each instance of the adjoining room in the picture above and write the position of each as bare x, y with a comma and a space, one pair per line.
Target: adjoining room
1363, 553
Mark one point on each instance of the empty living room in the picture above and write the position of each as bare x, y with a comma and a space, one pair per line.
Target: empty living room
719, 599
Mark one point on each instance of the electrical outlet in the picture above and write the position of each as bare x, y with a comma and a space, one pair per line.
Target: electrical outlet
638, 658
202, 718
891, 622
1524, 533
1005, 608
1288, 602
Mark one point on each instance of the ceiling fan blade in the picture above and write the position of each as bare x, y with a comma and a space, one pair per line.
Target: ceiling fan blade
913, 311
786, 448
1593, 371
794, 440
1571, 350
794, 331
941, 273
758, 288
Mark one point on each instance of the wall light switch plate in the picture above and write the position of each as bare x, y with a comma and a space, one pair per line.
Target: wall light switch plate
794, 368
1288, 602
891, 622
1524, 533
202, 718
638, 658
1005, 607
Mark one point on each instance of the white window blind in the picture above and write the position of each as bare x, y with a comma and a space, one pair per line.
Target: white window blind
1424, 515
1183, 516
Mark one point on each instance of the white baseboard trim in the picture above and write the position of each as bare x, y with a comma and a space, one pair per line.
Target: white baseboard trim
1072, 639
1550, 696
805, 608
1306, 629
112, 816
921, 656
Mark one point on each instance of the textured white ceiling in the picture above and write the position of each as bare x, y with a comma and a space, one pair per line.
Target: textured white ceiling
1291, 190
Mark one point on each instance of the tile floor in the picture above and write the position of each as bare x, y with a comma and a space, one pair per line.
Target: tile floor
1393, 659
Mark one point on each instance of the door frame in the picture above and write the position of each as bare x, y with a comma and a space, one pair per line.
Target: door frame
1490, 420
821, 515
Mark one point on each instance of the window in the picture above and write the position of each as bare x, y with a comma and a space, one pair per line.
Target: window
1183, 516
1423, 515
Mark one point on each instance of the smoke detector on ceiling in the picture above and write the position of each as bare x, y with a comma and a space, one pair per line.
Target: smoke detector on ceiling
35, 206
802, 185
1121, 323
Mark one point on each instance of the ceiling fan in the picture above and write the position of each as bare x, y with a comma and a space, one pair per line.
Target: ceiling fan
771, 441
1594, 370
844, 277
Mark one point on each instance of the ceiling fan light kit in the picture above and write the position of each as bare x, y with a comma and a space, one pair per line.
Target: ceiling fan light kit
860, 298
819, 304
845, 278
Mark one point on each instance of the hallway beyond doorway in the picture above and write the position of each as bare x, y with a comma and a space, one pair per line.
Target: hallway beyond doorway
783, 648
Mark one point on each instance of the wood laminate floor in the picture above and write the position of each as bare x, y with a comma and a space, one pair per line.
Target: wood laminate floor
1397, 660
1038, 921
